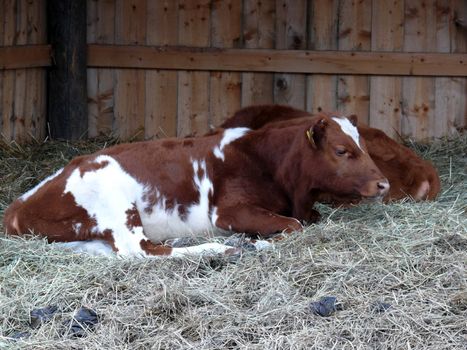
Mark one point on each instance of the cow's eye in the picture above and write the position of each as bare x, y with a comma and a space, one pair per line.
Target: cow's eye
341, 152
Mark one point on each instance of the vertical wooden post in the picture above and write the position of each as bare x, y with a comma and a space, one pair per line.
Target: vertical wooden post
291, 34
194, 25
67, 95
226, 87
353, 92
323, 24
258, 33
161, 85
387, 34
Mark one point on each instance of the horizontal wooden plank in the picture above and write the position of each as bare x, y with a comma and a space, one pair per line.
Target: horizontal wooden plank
248, 60
25, 56
286, 61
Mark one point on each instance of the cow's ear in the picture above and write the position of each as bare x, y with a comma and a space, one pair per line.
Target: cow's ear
316, 133
353, 119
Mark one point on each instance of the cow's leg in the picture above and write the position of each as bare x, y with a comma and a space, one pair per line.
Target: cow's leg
206, 249
255, 220
303, 202
94, 247
146, 249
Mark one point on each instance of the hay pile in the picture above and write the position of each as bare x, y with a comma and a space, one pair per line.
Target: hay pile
398, 272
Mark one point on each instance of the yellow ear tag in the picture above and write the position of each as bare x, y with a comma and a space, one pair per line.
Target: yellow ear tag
309, 135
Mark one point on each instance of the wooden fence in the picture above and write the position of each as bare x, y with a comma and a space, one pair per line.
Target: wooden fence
178, 67
23, 87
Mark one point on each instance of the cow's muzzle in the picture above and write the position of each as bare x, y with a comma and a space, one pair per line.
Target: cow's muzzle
383, 187
376, 189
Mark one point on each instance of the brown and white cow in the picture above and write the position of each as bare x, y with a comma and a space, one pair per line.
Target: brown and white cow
130, 198
408, 174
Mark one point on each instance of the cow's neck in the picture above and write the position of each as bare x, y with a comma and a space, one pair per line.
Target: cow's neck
282, 154
281, 151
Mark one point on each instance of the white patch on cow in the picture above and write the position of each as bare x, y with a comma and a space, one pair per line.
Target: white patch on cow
422, 191
349, 129
15, 223
33, 190
107, 194
95, 247
162, 223
207, 249
229, 136
214, 216
77, 227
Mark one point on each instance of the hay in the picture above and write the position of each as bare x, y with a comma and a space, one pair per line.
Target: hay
410, 256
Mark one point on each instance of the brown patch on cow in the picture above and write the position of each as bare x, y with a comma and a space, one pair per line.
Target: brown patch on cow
187, 143
182, 212
92, 166
200, 174
169, 144
132, 218
155, 249
53, 214
108, 237
150, 199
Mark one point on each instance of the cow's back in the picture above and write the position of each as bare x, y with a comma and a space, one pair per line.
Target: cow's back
66, 205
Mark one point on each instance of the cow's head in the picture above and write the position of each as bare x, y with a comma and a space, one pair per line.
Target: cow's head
341, 162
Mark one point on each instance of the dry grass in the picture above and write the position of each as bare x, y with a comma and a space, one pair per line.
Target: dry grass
410, 255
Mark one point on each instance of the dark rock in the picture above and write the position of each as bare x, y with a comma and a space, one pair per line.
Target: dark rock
458, 302
40, 316
185, 242
234, 240
451, 243
325, 307
380, 306
19, 335
240, 242
84, 319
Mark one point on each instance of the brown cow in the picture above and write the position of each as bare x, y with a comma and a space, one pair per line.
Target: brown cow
136, 196
408, 174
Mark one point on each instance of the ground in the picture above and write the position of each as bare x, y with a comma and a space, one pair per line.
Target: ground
398, 272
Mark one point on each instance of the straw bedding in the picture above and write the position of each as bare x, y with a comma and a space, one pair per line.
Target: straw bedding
398, 273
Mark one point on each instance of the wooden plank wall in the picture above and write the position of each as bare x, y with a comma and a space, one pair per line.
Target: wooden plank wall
158, 103
22, 91
154, 103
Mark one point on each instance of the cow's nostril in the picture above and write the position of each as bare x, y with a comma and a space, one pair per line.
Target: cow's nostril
383, 185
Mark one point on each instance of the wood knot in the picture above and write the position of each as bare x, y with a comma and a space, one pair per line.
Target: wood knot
281, 84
